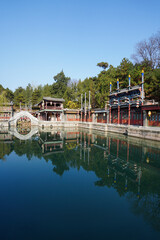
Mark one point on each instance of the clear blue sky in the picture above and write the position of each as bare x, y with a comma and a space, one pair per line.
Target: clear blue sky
39, 38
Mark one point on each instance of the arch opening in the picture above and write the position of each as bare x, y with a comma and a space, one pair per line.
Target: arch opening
23, 125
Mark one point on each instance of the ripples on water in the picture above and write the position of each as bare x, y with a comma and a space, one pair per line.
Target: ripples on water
78, 185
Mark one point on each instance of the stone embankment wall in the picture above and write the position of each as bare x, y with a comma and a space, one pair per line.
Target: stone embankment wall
151, 133
53, 124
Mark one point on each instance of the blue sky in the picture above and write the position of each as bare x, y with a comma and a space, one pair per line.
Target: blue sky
40, 38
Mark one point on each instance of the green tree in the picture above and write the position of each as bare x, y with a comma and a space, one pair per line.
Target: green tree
1, 89
104, 65
47, 90
19, 96
154, 89
71, 105
60, 85
37, 95
9, 95
123, 70
3, 98
28, 93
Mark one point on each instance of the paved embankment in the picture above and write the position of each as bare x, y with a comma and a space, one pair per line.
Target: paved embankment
151, 133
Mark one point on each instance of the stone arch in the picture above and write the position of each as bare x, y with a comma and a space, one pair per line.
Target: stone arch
14, 119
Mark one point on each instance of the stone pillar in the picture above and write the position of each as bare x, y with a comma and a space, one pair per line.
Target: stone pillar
144, 118
107, 116
93, 117
141, 117
110, 114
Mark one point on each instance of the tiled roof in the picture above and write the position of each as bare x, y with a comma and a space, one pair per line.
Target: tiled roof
53, 99
125, 90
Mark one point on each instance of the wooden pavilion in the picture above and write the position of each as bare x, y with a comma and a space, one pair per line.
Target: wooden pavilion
51, 109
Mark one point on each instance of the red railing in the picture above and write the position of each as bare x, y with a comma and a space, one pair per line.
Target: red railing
4, 118
51, 108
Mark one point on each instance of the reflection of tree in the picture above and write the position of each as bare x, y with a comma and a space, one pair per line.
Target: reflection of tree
29, 148
148, 206
126, 172
59, 162
117, 164
5, 149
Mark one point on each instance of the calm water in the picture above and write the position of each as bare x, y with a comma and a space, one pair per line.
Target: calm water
77, 185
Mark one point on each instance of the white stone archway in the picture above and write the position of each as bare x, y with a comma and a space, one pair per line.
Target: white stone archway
14, 119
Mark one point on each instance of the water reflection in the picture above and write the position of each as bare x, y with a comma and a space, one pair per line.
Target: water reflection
132, 167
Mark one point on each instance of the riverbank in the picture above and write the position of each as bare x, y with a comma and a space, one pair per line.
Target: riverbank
150, 133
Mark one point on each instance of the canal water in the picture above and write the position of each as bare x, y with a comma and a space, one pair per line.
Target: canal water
75, 184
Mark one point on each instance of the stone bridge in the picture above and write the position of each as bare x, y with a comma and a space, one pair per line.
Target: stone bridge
14, 119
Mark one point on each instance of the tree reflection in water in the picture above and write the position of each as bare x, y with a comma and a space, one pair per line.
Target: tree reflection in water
131, 166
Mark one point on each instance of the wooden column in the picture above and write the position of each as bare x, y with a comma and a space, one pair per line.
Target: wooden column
118, 114
129, 114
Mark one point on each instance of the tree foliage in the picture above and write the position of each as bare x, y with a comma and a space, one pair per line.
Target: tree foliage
104, 65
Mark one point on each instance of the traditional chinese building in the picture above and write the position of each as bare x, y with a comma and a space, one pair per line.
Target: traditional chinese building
6, 111
125, 104
51, 109
71, 115
151, 114
128, 106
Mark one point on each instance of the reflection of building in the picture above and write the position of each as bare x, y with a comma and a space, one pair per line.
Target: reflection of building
119, 162
5, 136
51, 109
51, 142
6, 140
24, 125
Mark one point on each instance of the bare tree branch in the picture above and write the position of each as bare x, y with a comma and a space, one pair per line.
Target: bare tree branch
148, 51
